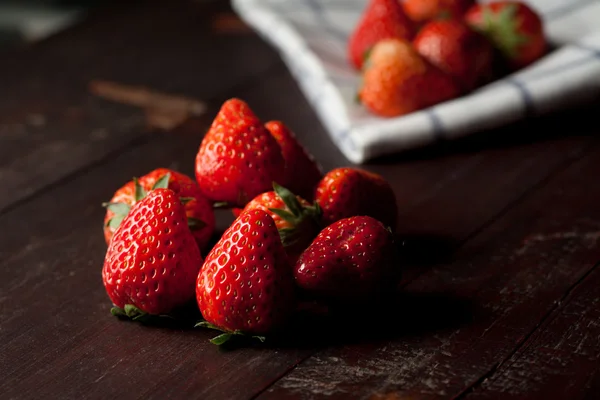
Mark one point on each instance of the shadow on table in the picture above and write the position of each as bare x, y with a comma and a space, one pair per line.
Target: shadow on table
569, 122
405, 315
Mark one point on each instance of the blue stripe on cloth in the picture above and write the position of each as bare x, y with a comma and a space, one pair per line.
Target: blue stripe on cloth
344, 136
565, 10
436, 124
525, 96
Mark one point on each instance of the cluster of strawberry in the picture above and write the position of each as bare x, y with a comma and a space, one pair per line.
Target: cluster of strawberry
413, 54
299, 236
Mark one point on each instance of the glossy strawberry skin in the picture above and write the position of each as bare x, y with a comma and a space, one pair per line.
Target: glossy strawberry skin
381, 19
302, 173
349, 260
457, 50
514, 28
198, 206
426, 10
397, 81
238, 158
246, 283
152, 260
346, 192
304, 229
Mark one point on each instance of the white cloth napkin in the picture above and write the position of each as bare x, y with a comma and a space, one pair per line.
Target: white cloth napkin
311, 36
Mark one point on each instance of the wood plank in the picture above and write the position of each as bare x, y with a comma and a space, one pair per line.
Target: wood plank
51, 125
561, 360
460, 319
52, 297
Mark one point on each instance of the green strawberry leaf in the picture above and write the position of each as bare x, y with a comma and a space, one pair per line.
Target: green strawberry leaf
131, 312
286, 215
226, 336
221, 204
118, 208
195, 224
163, 182
115, 221
185, 200
289, 199
140, 193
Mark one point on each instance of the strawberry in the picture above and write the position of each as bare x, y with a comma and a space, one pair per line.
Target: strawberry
513, 27
301, 170
345, 192
246, 284
350, 260
425, 10
152, 261
381, 19
456, 49
397, 80
238, 158
200, 215
297, 221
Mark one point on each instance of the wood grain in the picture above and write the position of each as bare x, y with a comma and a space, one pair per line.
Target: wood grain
461, 319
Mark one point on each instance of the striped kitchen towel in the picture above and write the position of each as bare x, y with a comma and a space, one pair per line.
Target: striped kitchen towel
311, 36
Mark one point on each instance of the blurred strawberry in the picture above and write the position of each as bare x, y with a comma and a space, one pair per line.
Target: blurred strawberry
456, 49
397, 80
513, 27
381, 19
425, 10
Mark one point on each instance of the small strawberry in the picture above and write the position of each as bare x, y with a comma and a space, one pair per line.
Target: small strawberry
351, 260
381, 19
397, 80
513, 27
152, 261
201, 218
457, 50
238, 158
246, 284
297, 221
425, 10
301, 170
346, 192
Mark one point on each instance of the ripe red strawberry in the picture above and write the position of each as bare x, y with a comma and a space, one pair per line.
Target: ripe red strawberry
457, 50
246, 284
346, 192
397, 80
350, 260
199, 211
425, 10
238, 158
513, 27
152, 261
301, 170
381, 19
297, 221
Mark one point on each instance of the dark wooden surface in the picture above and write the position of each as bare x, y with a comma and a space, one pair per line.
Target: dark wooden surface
502, 232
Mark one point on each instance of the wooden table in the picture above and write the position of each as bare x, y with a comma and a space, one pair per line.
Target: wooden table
501, 294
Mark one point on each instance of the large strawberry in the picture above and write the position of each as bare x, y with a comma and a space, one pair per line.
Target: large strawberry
152, 261
238, 158
199, 211
302, 173
425, 10
246, 284
456, 49
296, 219
350, 260
396, 80
514, 28
381, 19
